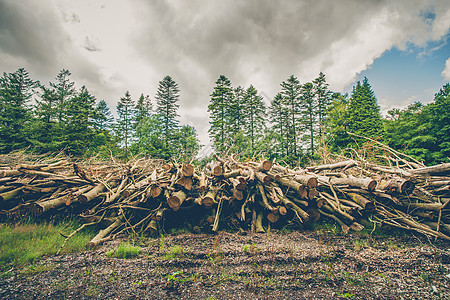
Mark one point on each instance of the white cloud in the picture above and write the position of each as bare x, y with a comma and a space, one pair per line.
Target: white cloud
446, 72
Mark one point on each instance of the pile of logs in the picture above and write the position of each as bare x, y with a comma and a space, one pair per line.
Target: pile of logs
148, 196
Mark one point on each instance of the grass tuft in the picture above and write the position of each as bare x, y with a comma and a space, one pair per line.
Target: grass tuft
124, 250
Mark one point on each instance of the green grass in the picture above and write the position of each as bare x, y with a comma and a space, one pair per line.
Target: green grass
124, 250
174, 251
23, 244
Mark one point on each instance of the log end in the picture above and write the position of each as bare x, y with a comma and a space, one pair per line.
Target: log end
174, 202
372, 185
273, 217
207, 201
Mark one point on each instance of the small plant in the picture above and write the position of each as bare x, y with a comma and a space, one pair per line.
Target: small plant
246, 248
124, 250
425, 277
359, 245
175, 251
175, 277
345, 295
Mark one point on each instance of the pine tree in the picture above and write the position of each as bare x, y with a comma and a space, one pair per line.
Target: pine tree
218, 112
125, 122
79, 122
337, 122
291, 91
103, 119
254, 116
143, 108
16, 90
235, 112
188, 143
364, 112
167, 97
279, 117
308, 105
323, 99
64, 91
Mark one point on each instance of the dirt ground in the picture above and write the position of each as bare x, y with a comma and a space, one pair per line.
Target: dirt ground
297, 265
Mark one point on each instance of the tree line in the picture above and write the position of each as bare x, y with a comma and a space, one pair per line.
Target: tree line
299, 118
59, 117
302, 116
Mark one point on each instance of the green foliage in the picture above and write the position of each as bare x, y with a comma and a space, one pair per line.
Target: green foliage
79, 131
175, 252
16, 90
364, 117
167, 97
422, 131
24, 244
253, 119
219, 113
124, 250
291, 95
125, 123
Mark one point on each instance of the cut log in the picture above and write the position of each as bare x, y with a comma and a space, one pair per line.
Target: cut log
342, 164
264, 166
263, 178
397, 185
176, 199
298, 187
365, 203
307, 180
102, 235
187, 170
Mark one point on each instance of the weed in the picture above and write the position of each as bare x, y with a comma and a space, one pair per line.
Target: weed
175, 251
124, 250
24, 244
359, 245
246, 248
425, 277
345, 295
175, 277
35, 269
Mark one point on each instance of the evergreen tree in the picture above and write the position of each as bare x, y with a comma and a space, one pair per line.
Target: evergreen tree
64, 90
235, 112
79, 122
291, 91
125, 122
218, 112
323, 99
279, 116
254, 116
167, 97
189, 143
308, 104
337, 122
150, 130
364, 112
103, 119
143, 108
16, 90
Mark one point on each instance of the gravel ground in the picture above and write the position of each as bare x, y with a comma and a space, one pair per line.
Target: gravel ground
298, 265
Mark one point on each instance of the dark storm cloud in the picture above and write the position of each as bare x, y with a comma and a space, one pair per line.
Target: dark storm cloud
32, 36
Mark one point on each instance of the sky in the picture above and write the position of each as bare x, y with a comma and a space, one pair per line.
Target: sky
114, 46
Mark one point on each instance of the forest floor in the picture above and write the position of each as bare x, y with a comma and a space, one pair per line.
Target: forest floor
295, 265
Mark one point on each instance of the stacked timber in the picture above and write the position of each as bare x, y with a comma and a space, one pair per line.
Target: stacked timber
148, 196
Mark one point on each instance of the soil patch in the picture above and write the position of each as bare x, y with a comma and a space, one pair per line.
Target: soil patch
298, 265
